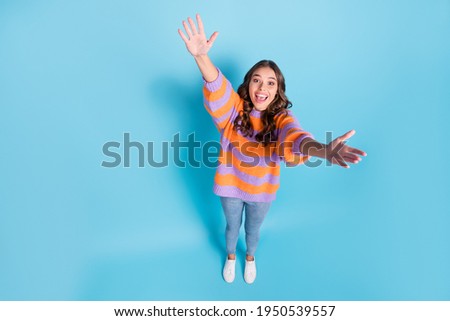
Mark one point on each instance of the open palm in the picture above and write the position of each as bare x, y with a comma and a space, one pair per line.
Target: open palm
196, 42
337, 152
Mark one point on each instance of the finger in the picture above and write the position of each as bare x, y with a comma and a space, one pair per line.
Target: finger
188, 31
347, 152
340, 161
351, 159
357, 151
347, 135
201, 30
181, 33
213, 38
193, 27
350, 155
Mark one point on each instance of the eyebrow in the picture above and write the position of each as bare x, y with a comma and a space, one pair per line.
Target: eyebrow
268, 77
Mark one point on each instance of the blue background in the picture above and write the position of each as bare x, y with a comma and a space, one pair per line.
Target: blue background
77, 74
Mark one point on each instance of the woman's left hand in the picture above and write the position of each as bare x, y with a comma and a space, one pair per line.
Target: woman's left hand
337, 152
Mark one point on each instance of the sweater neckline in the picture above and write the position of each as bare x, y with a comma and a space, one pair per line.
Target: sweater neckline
256, 112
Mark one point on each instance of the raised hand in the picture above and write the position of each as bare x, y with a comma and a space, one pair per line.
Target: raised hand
196, 42
337, 152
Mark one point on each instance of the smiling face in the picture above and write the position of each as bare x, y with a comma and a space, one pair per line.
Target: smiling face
263, 88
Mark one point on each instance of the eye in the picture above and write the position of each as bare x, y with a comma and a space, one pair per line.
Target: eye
271, 83
255, 80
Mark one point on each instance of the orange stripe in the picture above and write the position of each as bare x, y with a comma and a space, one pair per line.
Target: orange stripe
237, 102
296, 160
290, 131
215, 95
288, 154
231, 180
225, 108
284, 120
253, 149
228, 159
214, 114
223, 123
290, 139
257, 123
217, 114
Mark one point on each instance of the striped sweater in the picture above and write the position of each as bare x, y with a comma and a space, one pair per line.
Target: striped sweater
248, 170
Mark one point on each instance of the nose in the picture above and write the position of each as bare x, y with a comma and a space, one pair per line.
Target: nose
261, 85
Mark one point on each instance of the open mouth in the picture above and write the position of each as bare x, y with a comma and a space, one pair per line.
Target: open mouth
261, 98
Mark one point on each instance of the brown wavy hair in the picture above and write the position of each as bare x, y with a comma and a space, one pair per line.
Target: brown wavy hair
278, 106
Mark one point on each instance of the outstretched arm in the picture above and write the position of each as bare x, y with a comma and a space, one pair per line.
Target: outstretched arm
336, 152
198, 46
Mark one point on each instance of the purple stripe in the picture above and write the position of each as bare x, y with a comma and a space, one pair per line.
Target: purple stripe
285, 129
297, 142
214, 85
250, 179
293, 147
255, 160
230, 114
255, 113
232, 191
217, 104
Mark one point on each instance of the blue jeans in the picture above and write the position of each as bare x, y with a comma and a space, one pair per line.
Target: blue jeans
255, 212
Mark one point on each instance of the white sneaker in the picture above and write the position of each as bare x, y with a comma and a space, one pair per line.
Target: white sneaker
229, 270
250, 271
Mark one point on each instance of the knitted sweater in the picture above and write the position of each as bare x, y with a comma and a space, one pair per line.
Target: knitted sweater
247, 169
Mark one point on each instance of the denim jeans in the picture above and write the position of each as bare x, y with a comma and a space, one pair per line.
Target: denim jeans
255, 212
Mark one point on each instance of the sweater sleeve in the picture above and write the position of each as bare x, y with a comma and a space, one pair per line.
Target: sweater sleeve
220, 100
290, 136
